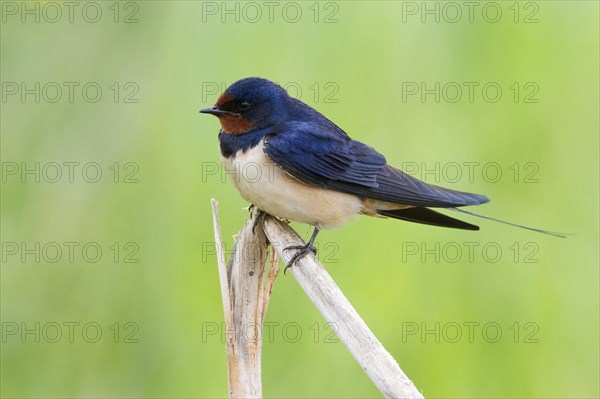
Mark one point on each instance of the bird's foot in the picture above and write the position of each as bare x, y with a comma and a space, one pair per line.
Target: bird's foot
303, 250
260, 218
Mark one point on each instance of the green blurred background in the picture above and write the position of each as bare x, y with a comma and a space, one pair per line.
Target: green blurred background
160, 318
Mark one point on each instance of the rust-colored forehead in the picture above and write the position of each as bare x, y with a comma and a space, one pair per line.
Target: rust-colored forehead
223, 99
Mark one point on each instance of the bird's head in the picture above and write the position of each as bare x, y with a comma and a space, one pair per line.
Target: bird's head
248, 104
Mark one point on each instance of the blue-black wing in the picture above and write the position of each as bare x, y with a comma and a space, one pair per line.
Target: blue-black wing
323, 158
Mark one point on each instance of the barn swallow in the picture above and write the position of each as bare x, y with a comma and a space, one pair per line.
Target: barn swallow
290, 161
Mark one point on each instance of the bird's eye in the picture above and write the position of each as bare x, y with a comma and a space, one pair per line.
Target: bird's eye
245, 105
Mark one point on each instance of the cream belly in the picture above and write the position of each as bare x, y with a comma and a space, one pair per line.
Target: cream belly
263, 183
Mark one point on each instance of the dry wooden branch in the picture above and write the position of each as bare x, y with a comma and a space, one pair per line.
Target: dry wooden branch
246, 291
379, 365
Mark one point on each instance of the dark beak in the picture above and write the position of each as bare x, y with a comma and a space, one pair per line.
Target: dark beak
216, 111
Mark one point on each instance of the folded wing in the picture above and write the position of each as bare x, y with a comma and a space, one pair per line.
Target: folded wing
334, 161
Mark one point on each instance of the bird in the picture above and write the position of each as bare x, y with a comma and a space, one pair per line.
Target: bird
290, 161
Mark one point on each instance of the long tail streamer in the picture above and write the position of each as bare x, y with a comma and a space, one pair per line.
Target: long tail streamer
552, 233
